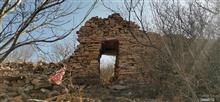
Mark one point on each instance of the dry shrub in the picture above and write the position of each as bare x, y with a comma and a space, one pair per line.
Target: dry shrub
188, 68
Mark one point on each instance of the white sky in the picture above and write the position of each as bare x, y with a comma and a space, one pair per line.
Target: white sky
107, 60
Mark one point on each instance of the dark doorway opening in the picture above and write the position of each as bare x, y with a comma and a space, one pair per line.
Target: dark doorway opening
108, 60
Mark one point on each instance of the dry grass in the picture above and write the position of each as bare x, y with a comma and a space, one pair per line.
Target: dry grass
107, 74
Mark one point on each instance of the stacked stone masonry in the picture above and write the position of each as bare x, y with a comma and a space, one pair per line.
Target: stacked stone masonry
131, 40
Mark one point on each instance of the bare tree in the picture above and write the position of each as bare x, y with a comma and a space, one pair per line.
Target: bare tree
26, 22
188, 26
59, 51
181, 17
23, 54
182, 23
211, 6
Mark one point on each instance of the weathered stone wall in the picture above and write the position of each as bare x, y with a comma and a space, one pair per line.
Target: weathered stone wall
96, 30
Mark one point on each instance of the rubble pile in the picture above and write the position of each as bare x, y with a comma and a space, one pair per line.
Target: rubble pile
25, 80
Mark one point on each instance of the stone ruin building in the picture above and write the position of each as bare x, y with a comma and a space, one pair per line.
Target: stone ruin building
111, 36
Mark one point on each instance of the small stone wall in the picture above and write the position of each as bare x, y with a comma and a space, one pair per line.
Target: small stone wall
21, 69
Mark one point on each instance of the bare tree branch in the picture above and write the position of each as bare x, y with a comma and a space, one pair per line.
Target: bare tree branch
37, 21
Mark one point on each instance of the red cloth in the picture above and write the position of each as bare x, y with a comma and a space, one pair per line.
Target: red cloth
57, 78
